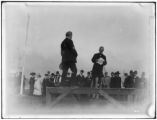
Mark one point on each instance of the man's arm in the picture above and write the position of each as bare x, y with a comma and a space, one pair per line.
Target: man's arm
94, 58
105, 61
72, 47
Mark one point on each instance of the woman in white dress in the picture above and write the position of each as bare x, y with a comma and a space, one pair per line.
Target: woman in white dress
38, 85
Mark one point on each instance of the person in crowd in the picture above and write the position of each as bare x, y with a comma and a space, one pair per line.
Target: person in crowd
106, 81
129, 81
67, 81
117, 80
57, 78
46, 83
137, 80
31, 82
69, 55
88, 80
99, 60
123, 81
48, 73
38, 86
81, 79
51, 80
112, 84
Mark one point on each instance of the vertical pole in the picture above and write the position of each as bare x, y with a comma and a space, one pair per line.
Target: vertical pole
24, 55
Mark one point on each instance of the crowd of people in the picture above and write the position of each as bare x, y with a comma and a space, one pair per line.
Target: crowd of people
38, 83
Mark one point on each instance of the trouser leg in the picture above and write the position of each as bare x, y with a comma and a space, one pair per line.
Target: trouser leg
74, 72
64, 74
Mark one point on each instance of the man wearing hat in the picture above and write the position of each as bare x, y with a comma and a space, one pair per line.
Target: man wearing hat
117, 80
46, 83
69, 55
99, 60
81, 79
57, 78
129, 81
31, 82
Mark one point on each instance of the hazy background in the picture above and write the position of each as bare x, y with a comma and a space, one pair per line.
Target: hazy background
124, 29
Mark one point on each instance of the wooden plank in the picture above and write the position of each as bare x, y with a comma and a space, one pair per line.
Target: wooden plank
59, 98
108, 92
109, 98
92, 91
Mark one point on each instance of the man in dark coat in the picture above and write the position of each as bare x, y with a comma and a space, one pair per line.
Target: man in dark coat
69, 55
46, 83
51, 80
117, 80
31, 82
99, 60
112, 84
88, 80
129, 81
81, 79
57, 78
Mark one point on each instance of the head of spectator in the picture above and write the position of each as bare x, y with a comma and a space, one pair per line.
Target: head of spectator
131, 73
117, 73
125, 75
112, 74
48, 72
135, 73
57, 73
33, 74
46, 76
101, 49
68, 74
38, 75
81, 72
68, 35
52, 74
88, 74
106, 74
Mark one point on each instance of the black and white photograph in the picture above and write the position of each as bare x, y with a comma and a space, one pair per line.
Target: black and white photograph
78, 59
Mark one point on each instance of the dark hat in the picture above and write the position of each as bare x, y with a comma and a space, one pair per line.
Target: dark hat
131, 71
117, 72
112, 72
39, 75
32, 73
88, 72
57, 72
135, 72
52, 74
46, 74
82, 71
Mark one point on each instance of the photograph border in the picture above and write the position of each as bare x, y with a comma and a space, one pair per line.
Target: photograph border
2, 47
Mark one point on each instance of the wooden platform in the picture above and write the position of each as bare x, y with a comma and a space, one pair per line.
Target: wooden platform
130, 93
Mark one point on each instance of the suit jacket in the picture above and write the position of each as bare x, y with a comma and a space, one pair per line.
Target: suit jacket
68, 53
81, 80
129, 82
97, 68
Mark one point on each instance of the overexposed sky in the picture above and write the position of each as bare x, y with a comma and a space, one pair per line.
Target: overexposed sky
124, 29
